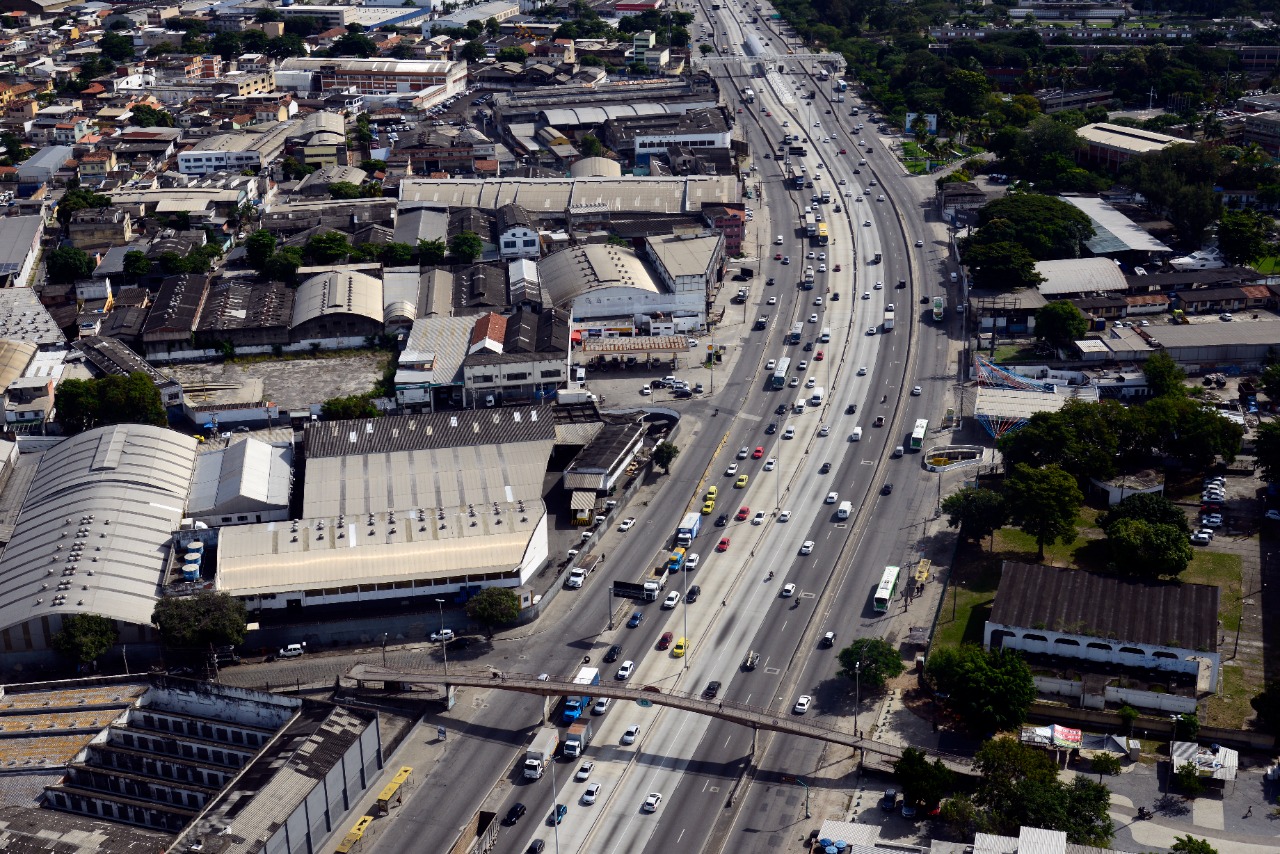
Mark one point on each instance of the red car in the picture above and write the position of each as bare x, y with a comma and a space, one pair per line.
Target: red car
835, 269
723, 545
743, 512
777, 256
758, 452
818, 358
665, 640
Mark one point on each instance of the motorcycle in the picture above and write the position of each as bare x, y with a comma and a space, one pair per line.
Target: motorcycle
769, 577
884, 399
1144, 813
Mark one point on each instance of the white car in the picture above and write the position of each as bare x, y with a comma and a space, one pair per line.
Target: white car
817, 300
651, 803
795, 381
772, 463
627, 524
879, 286
802, 704
867, 224
810, 383
645, 391
866, 294
628, 666
784, 516
919, 243
813, 318
803, 365
812, 254
788, 590
915, 391
692, 561
824, 430
1201, 538
789, 433
731, 470
832, 498
758, 519
584, 772
771, 301
862, 371
744, 452
602, 705
771, 364
592, 792
632, 733
442, 635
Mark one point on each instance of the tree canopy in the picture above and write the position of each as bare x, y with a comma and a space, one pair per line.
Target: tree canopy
465, 247
493, 607
68, 264
989, 690
352, 406
1046, 227
923, 783
192, 623
328, 247
976, 511
85, 638
871, 662
664, 454
1060, 323
84, 404
1043, 502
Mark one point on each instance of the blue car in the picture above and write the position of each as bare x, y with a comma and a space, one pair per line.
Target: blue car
558, 814
636, 619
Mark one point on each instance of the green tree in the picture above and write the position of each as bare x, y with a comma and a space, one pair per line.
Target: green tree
923, 783
352, 406
967, 92
259, 247
432, 252
591, 146
1005, 765
145, 116
116, 46
136, 265
1144, 548
84, 638
1189, 844
870, 662
78, 199
1043, 503
990, 690
1270, 382
1164, 377
1242, 235
1001, 266
1105, 764
512, 54
1128, 714
961, 816
1046, 227
704, 49
473, 51
1186, 727
466, 246
193, 623
354, 44
664, 454
1186, 429
84, 404
344, 190
327, 248
67, 265
976, 511
1061, 323
1149, 507
1266, 706
396, 254
283, 265
372, 166
493, 607
1187, 779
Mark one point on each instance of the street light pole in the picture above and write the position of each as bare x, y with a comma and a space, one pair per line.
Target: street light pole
443, 648
555, 824
857, 695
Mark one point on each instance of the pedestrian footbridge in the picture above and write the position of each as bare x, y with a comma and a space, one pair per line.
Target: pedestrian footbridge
557, 686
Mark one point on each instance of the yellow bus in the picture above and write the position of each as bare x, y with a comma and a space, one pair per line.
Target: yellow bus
824, 235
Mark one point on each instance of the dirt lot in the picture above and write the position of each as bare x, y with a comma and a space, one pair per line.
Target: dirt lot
294, 383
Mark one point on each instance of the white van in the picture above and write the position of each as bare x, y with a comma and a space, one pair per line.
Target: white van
825, 336
798, 408
843, 511
856, 435
818, 394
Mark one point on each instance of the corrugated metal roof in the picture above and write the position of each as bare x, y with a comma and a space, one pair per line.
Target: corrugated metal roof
244, 477
1080, 276
1115, 232
338, 292
1182, 616
104, 502
405, 481
502, 425
273, 558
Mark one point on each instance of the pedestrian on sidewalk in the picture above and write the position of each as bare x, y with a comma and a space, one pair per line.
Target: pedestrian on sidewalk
1249, 811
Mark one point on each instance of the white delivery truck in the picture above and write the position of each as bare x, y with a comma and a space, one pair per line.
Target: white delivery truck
843, 511
819, 394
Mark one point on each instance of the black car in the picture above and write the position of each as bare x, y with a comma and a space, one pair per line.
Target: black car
826, 467
682, 394
808, 346
781, 410
711, 691
694, 592
857, 171
770, 281
835, 297
514, 814
851, 409
771, 429
886, 489
902, 283
536, 846
723, 520
614, 653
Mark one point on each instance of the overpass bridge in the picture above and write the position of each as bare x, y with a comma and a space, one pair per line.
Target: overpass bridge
545, 685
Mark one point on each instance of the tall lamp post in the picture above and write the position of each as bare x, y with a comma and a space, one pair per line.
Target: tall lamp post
857, 695
443, 648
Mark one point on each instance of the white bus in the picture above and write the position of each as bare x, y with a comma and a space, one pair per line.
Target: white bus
917, 434
888, 588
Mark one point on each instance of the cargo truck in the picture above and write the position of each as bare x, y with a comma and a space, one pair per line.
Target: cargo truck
888, 317
541, 752
577, 739
575, 705
675, 563
689, 527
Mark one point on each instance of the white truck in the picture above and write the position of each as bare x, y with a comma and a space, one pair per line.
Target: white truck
577, 395
817, 397
888, 317
541, 752
578, 737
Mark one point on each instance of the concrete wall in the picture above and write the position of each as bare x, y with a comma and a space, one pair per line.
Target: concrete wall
1073, 690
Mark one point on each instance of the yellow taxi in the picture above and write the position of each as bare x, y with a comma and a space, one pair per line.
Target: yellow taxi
708, 507
741, 482
679, 649
712, 493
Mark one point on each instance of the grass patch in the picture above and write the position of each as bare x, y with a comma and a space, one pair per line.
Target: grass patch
1085, 552
972, 594
1222, 571
1268, 266
1230, 706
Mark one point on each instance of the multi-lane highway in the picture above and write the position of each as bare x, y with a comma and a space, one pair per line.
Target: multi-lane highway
694, 761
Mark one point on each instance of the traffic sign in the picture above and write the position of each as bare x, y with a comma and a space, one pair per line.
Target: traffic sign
643, 703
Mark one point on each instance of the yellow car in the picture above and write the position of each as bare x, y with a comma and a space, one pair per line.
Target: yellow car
741, 481
712, 494
708, 507
679, 649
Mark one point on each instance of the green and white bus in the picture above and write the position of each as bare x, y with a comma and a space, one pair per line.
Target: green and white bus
888, 588
917, 434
